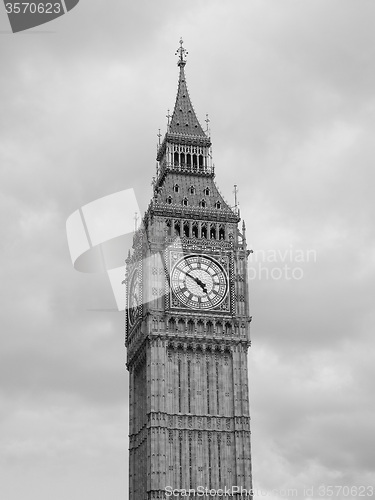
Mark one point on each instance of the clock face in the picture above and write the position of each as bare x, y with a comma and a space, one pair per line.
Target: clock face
199, 282
134, 297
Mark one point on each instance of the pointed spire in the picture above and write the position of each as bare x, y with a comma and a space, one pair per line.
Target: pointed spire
183, 125
184, 120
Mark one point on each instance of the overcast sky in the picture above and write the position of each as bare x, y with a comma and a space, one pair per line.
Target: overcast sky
289, 89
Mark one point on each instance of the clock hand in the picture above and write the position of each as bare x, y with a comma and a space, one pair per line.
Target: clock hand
198, 281
202, 285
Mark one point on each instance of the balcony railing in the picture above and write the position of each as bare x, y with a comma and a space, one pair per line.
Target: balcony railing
187, 169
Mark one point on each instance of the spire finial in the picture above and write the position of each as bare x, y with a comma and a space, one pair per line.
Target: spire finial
207, 120
235, 191
182, 53
169, 116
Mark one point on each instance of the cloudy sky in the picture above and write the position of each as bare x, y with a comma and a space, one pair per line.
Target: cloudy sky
289, 88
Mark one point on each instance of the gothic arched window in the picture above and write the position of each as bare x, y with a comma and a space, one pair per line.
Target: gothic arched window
192, 190
181, 325
203, 204
186, 229
218, 204
207, 191
219, 327
169, 200
176, 188
185, 202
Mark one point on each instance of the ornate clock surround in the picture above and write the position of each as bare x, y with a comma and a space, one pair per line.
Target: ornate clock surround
224, 259
137, 268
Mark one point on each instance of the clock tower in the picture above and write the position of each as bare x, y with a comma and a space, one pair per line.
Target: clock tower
188, 326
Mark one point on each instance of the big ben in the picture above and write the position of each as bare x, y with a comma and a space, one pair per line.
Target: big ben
188, 326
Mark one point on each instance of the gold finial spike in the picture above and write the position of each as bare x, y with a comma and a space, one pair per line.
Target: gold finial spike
159, 135
182, 53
